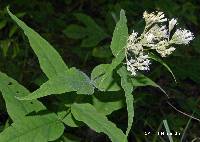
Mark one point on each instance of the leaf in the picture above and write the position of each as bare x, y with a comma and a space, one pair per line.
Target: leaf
2, 24
5, 44
120, 36
92, 33
156, 58
142, 80
98, 74
95, 33
107, 102
101, 52
50, 61
118, 43
17, 109
34, 128
127, 85
75, 31
98, 122
72, 80
168, 130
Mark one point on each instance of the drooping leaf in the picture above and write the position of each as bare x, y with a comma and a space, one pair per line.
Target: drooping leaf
120, 36
127, 85
72, 80
156, 58
34, 128
50, 61
97, 121
17, 109
142, 80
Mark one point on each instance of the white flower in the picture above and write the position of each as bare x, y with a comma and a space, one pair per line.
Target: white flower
182, 37
172, 23
149, 37
139, 63
132, 37
158, 32
151, 18
156, 36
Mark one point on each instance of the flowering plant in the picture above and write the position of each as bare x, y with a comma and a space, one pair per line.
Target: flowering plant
155, 37
30, 117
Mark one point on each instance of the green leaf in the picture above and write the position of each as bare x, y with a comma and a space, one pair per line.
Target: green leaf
2, 24
118, 43
102, 52
50, 61
102, 78
5, 44
156, 58
72, 80
97, 121
120, 36
75, 31
127, 85
34, 128
108, 102
167, 130
92, 32
142, 80
17, 109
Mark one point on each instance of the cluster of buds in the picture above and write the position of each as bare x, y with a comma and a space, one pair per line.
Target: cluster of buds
156, 36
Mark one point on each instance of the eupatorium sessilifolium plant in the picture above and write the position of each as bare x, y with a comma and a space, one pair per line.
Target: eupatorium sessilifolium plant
29, 124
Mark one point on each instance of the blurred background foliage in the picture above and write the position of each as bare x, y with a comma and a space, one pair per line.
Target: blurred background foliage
81, 31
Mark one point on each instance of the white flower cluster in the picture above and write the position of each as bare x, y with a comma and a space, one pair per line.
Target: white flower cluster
155, 37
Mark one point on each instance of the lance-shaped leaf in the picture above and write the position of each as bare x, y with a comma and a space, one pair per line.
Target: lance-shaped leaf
72, 80
34, 129
97, 121
127, 85
142, 80
50, 61
17, 109
156, 58
118, 44
120, 36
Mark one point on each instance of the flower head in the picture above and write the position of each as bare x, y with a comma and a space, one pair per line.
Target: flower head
172, 23
182, 36
156, 36
153, 17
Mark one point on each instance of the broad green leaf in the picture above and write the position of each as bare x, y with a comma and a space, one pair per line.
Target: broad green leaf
75, 31
50, 61
17, 109
107, 102
120, 36
34, 129
102, 52
94, 32
97, 121
127, 85
156, 58
68, 119
102, 78
72, 80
